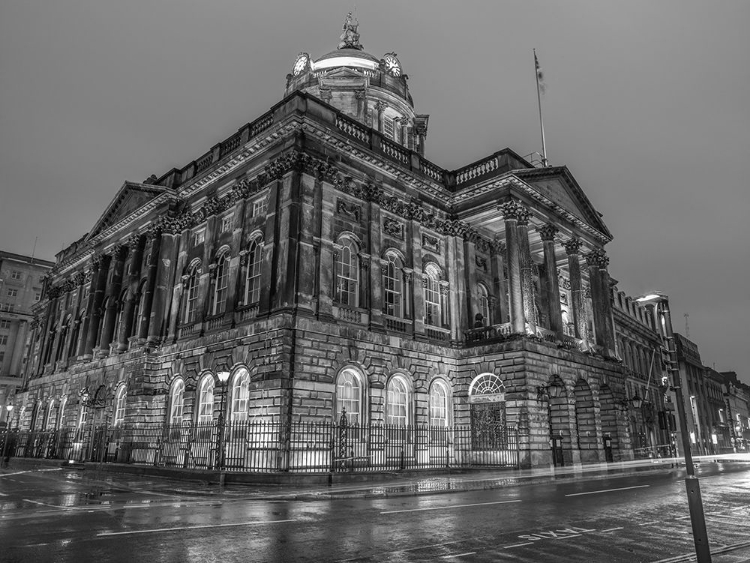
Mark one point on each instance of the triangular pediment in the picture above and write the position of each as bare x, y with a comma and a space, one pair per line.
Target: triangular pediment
129, 199
557, 185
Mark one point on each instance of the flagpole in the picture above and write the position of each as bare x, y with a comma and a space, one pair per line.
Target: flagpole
539, 100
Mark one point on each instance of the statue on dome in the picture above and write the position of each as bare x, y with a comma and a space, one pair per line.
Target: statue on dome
350, 37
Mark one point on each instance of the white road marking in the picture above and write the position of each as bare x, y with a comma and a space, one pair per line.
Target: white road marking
449, 506
649, 523
41, 503
608, 490
458, 555
156, 530
3, 494
612, 529
518, 545
29, 471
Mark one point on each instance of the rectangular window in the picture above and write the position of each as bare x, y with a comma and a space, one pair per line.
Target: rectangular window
2, 357
15, 275
199, 237
8, 307
259, 207
37, 295
388, 127
3, 339
12, 292
5, 323
226, 224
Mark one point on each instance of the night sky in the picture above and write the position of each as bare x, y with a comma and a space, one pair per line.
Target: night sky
647, 103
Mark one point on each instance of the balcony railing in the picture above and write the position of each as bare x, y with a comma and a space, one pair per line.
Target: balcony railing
246, 313
395, 324
189, 329
488, 333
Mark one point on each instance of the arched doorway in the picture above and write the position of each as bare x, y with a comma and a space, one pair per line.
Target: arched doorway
610, 434
588, 439
489, 431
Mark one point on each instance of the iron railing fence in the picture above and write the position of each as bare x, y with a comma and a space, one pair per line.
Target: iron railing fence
252, 446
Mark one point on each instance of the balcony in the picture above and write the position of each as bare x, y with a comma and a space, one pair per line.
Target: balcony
351, 314
246, 313
189, 329
485, 334
396, 324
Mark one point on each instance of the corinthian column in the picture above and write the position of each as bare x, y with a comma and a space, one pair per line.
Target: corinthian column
511, 210
113, 298
551, 283
599, 297
572, 248
527, 273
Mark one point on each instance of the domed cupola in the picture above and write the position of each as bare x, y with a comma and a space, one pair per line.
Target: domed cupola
371, 90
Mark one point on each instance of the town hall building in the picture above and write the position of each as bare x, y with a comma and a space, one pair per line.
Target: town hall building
315, 270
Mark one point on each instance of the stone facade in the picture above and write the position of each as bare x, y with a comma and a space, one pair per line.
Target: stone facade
319, 259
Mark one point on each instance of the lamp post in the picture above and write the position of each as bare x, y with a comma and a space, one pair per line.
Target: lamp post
223, 378
8, 409
695, 502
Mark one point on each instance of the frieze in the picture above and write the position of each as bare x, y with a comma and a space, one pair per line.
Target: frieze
393, 228
350, 210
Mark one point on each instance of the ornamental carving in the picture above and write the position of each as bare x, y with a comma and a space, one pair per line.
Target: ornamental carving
573, 246
351, 210
564, 282
513, 210
132, 242
444, 288
79, 278
481, 263
598, 258
381, 106
548, 232
213, 206
430, 243
393, 228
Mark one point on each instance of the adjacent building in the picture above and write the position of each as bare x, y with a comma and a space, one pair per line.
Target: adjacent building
21, 282
316, 268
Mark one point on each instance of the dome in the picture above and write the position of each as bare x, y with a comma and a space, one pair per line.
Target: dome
349, 56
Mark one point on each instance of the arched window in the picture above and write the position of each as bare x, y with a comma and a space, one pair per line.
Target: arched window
61, 412
190, 296
221, 282
397, 407
439, 404
240, 396
349, 396
177, 402
483, 303
393, 287
49, 418
206, 400
252, 278
120, 400
347, 274
432, 306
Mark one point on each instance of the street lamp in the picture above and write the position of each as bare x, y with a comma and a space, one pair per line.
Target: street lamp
8, 409
223, 378
695, 503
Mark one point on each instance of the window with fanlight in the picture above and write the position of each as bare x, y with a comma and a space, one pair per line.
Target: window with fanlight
120, 401
432, 301
177, 402
254, 259
393, 286
240, 396
221, 283
347, 274
349, 396
397, 405
206, 400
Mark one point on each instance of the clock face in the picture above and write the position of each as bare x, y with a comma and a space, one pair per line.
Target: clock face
300, 64
392, 66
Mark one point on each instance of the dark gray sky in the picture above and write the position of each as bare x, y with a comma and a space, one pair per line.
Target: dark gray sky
648, 104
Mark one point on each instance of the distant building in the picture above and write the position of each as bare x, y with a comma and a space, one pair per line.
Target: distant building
330, 272
639, 344
21, 281
737, 399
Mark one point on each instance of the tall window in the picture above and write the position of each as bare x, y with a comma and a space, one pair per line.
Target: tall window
120, 400
397, 411
388, 127
432, 296
438, 404
220, 288
206, 402
252, 279
347, 275
49, 419
393, 287
483, 301
259, 207
61, 412
349, 397
191, 297
177, 401
240, 395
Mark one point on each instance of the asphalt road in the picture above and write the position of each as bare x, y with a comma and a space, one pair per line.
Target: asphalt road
54, 515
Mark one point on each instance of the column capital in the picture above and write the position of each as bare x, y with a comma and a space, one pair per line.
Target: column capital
597, 257
380, 105
359, 94
573, 246
512, 209
548, 232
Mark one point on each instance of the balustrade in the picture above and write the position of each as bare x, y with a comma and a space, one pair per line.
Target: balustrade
394, 151
476, 170
230, 144
189, 329
246, 313
395, 324
353, 128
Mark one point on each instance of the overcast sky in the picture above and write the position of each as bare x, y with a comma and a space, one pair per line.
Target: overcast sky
647, 103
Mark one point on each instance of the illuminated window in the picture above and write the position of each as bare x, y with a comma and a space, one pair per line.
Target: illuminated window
206, 402
177, 401
438, 404
120, 401
191, 296
397, 408
220, 288
240, 396
349, 396
392, 287
432, 296
347, 275
252, 278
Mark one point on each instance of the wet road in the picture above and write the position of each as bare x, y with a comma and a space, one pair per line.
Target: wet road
55, 515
